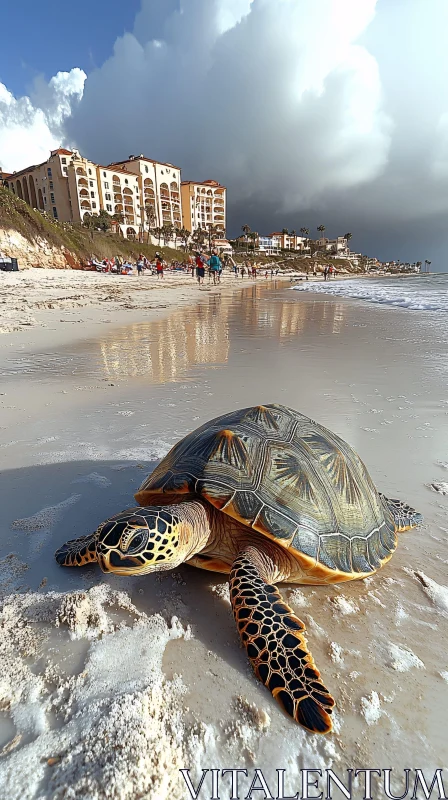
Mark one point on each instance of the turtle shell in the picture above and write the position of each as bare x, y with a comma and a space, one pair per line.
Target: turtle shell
289, 478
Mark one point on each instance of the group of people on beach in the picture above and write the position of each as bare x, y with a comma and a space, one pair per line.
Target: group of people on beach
214, 265
116, 266
329, 272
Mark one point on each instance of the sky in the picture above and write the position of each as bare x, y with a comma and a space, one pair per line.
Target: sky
311, 112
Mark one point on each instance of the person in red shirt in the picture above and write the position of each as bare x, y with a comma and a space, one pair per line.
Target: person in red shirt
159, 266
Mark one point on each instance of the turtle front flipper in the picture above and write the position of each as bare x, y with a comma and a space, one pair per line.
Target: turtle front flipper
277, 649
77, 552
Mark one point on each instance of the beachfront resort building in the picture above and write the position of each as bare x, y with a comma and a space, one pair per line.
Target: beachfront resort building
203, 204
45, 186
160, 191
144, 193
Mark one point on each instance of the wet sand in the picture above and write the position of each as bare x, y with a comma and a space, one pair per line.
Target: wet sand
121, 682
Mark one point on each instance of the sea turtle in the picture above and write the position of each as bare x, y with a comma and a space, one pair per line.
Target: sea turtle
267, 495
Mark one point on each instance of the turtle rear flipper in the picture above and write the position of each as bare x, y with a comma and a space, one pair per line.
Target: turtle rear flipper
274, 640
77, 552
405, 517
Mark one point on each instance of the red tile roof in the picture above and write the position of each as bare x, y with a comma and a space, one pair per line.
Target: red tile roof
143, 158
204, 183
62, 152
115, 168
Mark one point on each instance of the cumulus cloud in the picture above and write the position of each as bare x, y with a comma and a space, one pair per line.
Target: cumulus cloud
32, 126
267, 97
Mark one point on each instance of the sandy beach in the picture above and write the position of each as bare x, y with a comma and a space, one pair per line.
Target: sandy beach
110, 685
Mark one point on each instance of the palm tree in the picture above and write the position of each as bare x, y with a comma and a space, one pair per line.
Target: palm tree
198, 237
150, 215
213, 233
427, 265
158, 232
285, 231
167, 233
254, 236
305, 232
321, 229
246, 231
185, 234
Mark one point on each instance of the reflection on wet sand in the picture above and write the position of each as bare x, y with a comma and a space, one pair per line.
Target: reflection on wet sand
290, 317
164, 349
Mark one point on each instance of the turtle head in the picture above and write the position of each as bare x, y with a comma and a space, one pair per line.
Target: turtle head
141, 540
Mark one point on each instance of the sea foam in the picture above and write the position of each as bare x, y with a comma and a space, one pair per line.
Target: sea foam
414, 293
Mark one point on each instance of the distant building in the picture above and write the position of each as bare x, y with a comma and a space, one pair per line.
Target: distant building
288, 241
203, 204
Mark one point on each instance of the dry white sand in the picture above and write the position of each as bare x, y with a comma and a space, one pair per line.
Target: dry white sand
110, 685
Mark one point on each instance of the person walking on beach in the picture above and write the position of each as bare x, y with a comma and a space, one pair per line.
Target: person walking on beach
215, 266
325, 273
159, 266
140, 266
330, 271
200, 268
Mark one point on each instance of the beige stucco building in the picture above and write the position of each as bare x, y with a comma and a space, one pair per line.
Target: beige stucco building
203, 204
147, 193
44, 186
160, 195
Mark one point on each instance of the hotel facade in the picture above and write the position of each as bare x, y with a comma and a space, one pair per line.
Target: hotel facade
147, 194
204, 204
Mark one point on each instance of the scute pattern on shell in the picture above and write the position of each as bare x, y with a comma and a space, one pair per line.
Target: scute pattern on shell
288, 478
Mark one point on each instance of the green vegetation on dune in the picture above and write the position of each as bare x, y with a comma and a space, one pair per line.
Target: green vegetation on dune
80, 242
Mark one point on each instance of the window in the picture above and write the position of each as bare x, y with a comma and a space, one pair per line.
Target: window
106, 185
52, 200
126, 180
65, 171
92, 194
55, 212
44, 189
146, 168
64, 160
45, 200
90, 171
51, 185
90, 182
108, 208
104, 174
49, 172
108, 197
93, 205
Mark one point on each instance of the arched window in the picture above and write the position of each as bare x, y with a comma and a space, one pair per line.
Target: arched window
32, 192
26, 194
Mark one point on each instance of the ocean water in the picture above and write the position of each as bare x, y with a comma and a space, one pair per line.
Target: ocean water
416, 292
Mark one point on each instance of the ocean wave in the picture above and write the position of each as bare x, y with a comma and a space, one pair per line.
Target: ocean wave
412, 293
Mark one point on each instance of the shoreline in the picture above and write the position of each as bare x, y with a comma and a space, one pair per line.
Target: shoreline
43, 298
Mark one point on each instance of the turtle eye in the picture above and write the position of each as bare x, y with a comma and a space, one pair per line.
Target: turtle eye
137, 542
